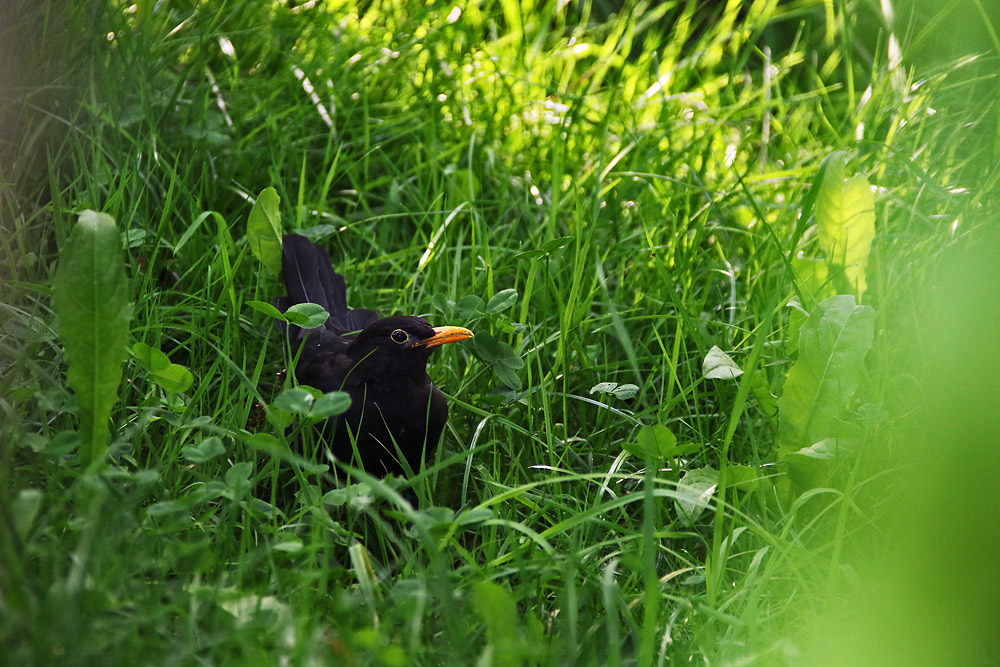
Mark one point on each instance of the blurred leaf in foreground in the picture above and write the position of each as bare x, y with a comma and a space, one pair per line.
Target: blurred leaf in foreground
928, 592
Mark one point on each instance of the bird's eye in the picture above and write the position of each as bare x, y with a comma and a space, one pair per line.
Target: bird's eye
399, 336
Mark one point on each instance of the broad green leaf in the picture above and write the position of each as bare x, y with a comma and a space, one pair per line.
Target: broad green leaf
508, 376
626, 390
486, 346
280, 419
475, 517
174, 378
295, 400
720, 366
439, 521
442, 303
206, 450
267, 509
170, 376
845, 220
824, 450
336, 497
811, 467
832, 347
306, 315
90, 299
330, 404
264, 229
653, 442
303, 402
696, 488
509, 358
501, 301
657, 442
264, 441
501, 356
314, 469
150, 358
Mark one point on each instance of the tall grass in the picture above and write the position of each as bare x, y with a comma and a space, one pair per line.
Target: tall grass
638, 177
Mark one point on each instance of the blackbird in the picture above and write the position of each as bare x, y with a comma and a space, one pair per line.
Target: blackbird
380, 362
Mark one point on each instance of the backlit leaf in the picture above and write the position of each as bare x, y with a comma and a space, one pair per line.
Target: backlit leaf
264, 229
720, 366
845, 220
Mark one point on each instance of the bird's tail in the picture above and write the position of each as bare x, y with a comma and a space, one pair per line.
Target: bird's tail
310, 278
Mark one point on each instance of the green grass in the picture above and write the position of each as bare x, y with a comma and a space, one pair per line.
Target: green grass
640, 178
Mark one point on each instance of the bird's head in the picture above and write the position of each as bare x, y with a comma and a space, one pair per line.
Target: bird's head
399, 346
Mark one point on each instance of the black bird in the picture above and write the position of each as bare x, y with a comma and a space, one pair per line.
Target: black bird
380, 362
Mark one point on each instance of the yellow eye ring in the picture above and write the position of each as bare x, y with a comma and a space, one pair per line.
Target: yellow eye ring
399, 336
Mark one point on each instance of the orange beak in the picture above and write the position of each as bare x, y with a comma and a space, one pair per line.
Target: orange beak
444, 335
